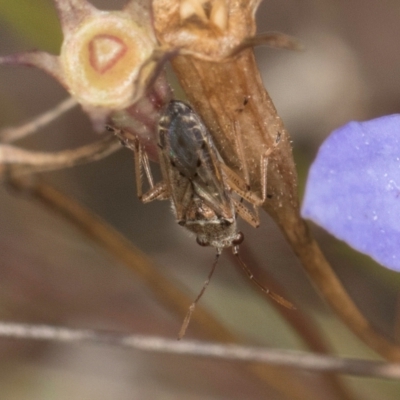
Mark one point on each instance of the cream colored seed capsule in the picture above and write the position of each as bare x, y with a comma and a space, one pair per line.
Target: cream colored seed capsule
101, 59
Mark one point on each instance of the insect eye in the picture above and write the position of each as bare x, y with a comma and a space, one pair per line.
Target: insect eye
201, 242
239, 239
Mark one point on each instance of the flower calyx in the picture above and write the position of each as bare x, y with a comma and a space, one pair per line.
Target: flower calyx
212, 30
107, 60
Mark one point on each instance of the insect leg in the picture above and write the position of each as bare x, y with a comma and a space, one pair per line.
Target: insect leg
236, 184
234, 181
158, 192
240, 151
264, 167
141, 159
240, 187
250, 217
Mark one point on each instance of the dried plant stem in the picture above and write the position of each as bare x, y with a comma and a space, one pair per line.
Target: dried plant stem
304, 361
12, 134
16, 161
166, 290
301, 323
218, 92
328, 283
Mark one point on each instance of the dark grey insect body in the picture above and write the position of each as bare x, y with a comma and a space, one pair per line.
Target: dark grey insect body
196, 183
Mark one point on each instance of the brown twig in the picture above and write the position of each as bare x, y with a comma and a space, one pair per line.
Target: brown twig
16, 161
14, 133
305, 361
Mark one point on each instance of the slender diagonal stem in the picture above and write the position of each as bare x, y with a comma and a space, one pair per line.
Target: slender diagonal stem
12, 134
16, 161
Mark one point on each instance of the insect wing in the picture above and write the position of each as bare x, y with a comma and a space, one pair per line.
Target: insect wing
188, 148
209, 182
179, 187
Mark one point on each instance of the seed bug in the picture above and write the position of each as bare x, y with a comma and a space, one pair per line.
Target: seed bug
206, 195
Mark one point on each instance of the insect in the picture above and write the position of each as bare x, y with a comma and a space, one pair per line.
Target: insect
206, 195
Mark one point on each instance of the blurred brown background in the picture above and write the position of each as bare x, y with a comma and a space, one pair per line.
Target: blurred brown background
50, 273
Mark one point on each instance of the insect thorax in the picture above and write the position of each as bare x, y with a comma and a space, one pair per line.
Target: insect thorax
209, 228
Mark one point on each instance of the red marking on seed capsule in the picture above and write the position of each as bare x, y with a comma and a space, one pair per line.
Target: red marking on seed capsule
105, 51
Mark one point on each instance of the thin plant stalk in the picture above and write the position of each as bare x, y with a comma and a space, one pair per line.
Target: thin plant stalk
304, 361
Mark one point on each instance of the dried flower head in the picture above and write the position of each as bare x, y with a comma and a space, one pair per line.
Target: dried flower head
209, 29
107, 57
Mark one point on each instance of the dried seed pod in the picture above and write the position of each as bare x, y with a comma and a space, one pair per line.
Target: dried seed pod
108, 59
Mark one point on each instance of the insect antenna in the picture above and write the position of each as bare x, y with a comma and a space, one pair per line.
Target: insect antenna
273, 295
193, 305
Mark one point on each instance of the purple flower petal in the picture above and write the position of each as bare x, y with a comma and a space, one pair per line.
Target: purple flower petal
353, 188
